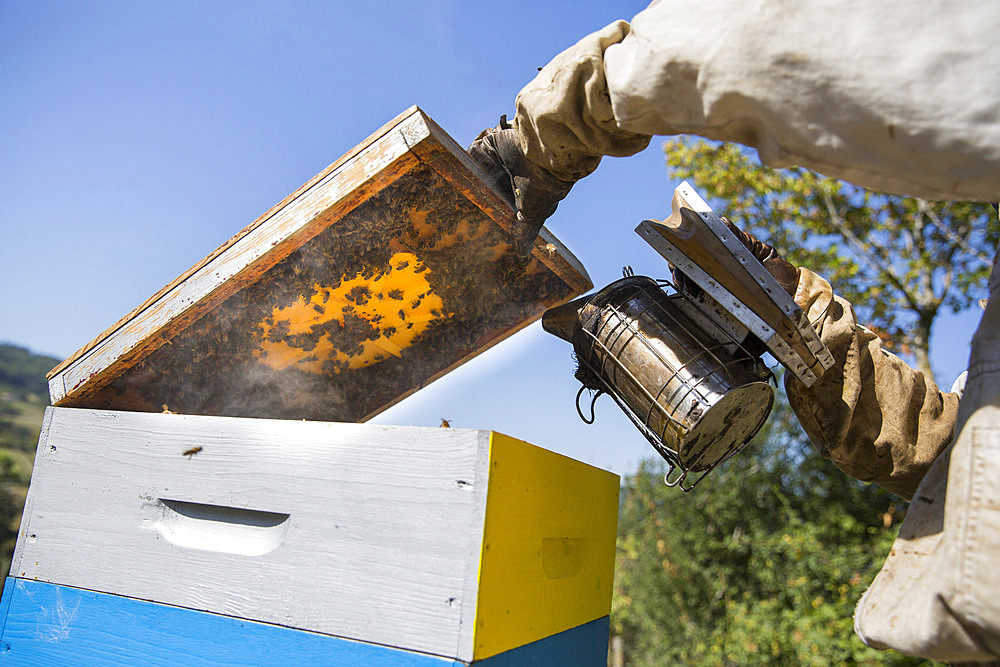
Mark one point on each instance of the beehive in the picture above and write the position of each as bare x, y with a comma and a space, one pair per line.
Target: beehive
208, 537
169, 539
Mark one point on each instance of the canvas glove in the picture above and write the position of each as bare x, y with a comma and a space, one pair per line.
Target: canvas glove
534, 191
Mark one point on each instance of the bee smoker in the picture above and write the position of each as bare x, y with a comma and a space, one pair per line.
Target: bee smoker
684, 363
697, 395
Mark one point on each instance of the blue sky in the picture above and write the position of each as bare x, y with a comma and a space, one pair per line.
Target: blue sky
137, 137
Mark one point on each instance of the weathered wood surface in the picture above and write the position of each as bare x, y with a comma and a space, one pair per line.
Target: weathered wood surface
455, 542
381, 541
45, 624
293, 317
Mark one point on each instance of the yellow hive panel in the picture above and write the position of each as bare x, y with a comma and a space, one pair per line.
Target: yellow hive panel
547, 561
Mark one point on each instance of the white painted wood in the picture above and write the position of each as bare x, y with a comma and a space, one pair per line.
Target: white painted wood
380, 543
473, 552
23, 534
285, 222
57, 389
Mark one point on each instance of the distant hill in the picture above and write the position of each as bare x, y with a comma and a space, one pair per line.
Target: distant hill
24, 394
23, 372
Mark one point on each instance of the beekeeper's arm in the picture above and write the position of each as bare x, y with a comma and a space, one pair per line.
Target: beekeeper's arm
892, 95
875, 417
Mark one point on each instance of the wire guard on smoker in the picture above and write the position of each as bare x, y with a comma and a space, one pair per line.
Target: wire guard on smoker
697, 398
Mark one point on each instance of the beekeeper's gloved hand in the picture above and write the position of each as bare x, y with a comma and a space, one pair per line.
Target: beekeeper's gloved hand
534, 191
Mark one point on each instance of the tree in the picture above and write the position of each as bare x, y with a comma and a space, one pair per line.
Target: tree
13, 486
761, 564
899, 260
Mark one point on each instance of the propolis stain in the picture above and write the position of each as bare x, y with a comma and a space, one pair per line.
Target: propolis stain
359, 322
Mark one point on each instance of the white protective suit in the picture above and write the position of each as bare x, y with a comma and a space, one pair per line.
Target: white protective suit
894, 95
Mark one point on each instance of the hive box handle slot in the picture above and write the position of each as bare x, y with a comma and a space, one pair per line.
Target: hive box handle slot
233, 530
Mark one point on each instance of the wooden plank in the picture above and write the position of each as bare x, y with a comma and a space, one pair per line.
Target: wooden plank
49, 624
231, 336
239, 263
359, 531
548, 546
58, 625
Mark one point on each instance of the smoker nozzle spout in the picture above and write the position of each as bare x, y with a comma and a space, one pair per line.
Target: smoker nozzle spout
563, 320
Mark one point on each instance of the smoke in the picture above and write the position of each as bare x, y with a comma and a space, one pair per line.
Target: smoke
314, 336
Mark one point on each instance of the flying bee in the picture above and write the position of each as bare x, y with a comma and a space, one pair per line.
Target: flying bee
191, 452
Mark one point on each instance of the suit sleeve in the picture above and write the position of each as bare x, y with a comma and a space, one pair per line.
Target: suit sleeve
893, 95
875, 417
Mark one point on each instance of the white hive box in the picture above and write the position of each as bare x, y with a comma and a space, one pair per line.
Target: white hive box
455, 543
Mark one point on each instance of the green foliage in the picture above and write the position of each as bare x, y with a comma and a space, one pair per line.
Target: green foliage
11, 504
762, 563
898, 260
20, 420
23, 397
17, 436
15, 470
23, 372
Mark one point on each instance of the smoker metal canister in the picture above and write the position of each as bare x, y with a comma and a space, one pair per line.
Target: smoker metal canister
697, 401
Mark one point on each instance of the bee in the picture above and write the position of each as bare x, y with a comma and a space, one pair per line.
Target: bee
191, 452
445, 423
550, 248
166, 410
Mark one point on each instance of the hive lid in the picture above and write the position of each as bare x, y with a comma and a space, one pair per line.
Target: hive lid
385, 271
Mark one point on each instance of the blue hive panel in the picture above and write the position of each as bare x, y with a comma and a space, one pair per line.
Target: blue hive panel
45, 624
